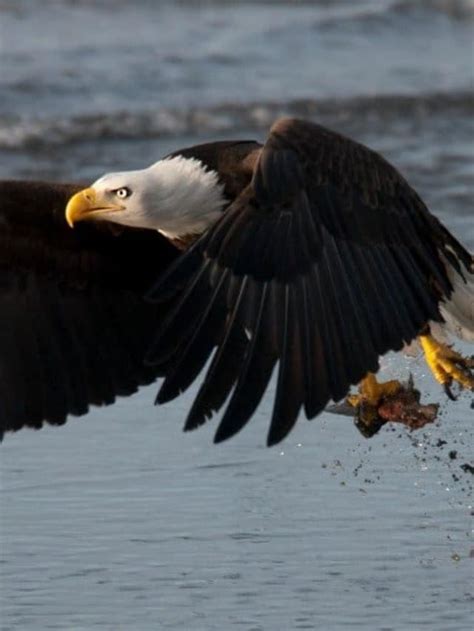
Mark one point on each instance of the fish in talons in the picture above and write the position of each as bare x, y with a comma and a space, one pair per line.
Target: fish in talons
377, 404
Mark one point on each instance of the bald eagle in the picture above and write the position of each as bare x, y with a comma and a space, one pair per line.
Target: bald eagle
310, 253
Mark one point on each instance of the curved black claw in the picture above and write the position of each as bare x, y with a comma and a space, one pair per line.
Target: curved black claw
449, 392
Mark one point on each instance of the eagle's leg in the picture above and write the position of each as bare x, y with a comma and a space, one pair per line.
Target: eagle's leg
371, 391
447, 365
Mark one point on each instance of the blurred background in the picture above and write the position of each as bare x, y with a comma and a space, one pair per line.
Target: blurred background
118, 521
90, 86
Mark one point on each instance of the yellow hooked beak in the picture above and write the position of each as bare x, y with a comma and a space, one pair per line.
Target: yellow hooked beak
87, 205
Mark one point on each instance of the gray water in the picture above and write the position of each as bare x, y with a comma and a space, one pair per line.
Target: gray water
118, 520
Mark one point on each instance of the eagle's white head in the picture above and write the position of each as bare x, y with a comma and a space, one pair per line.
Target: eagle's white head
177, 196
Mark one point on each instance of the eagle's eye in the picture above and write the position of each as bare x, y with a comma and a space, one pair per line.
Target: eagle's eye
123, 193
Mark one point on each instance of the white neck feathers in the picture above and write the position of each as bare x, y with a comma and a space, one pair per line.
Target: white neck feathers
185, 197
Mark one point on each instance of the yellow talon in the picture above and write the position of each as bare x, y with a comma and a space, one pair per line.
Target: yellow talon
372, 392
446, 364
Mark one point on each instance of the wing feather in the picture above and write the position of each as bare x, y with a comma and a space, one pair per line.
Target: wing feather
210, 319
254, 374
290, 385
226, 363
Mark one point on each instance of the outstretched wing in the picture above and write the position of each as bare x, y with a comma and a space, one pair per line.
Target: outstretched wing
326, 261
73, 323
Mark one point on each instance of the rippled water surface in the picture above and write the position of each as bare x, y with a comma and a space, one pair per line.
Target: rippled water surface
118, 520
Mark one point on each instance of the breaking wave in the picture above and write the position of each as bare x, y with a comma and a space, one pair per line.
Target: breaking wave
458, 8
18, 133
